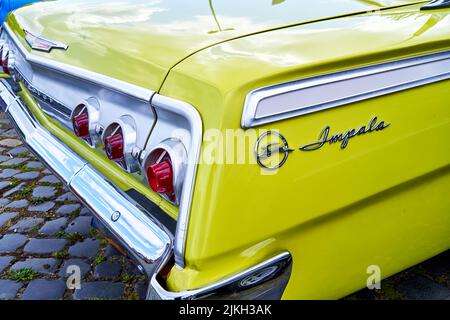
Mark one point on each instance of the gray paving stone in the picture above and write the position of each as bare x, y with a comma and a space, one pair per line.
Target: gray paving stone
14, 190
85, 212
10, 133
107, 270
421, 288
11, 242
68, 196
43, 192
99, 290
438, 266
131, 268
110, 251
50, 179
80, 224
84, 267
5, 184
4, 158
43, 207
9, 289
141, 289
8, 173
18, 150
14, 161
53, 226
41, 265
4, 263
41, 289
18, 204
6, 216
4, 202
26, 224
46, 171
34, 165
42, 246
30, 175
67, 209
85, 248
9, 142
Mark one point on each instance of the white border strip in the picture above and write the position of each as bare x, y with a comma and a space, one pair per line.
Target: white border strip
292, 99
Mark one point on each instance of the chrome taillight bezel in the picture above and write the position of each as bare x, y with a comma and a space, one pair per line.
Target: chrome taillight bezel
178, 156
8, 60
131, 152
92, 107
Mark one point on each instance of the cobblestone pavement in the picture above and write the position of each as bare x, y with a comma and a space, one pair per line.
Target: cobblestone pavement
44, 230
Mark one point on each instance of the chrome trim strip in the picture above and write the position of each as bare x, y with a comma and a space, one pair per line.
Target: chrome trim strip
436, 4
323, 92
144, 237
196, 129
96, 78
163, 294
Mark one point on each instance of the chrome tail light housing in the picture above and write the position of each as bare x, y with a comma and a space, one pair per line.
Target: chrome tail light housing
165, 167
119, 141
85, 121
8, 59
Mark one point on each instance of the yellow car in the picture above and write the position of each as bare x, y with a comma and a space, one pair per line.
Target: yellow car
244, 149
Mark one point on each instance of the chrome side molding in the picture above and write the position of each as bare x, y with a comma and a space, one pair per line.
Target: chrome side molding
436, 4
305, 96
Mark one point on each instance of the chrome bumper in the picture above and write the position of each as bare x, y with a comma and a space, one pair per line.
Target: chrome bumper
143, 237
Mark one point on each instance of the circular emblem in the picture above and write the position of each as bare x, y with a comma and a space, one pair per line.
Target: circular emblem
115, 216
271, 150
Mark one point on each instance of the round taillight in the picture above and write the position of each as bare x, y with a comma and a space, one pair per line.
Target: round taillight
160, 177
114, 146
119, 141
81, 125
164, 167
1, 53
85, 121
5, 63
7, 59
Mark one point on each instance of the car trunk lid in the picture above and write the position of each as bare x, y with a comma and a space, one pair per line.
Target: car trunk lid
140, 41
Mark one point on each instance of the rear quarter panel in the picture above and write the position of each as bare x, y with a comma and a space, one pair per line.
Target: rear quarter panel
381, 201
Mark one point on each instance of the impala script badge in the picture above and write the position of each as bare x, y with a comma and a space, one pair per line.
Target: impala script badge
42, 44
272, 148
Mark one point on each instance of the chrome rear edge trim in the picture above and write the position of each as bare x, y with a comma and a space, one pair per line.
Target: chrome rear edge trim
196, 129
212, 291
96, 78
297, 98
146, 240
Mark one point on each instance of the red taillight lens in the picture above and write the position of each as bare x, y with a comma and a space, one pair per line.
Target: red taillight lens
1, 54
160, 177
5, 63
81, 125
114, 146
